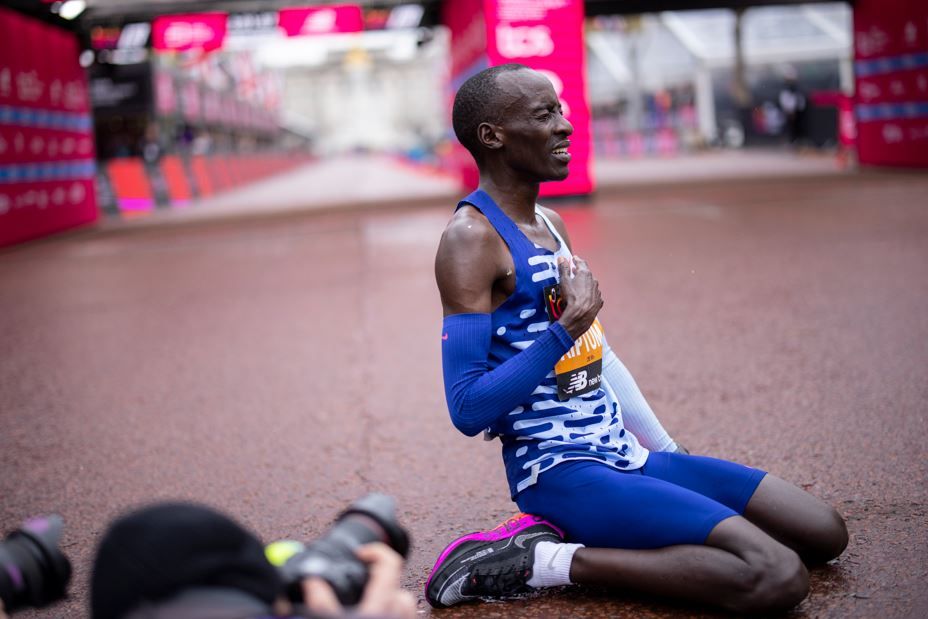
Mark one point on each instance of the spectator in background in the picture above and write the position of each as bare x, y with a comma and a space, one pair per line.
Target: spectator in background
793, 103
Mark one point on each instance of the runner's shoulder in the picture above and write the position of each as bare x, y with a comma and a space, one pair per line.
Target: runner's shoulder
552, 215
557, 222
468, 230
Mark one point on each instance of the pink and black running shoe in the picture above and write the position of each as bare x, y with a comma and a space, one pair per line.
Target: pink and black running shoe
489, 564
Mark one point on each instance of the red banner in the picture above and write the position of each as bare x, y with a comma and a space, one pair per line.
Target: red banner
548, 36
891, 67
205, 31
465, 21
321, 20
46, 136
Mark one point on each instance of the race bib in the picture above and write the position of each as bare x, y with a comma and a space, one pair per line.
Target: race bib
580, 369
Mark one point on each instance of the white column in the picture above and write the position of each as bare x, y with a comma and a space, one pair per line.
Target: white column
846, 75
705, 103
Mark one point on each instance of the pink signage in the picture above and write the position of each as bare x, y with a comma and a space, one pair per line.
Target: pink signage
205, 31
301, 21
46, 134
466, 23
891, 67
548, 36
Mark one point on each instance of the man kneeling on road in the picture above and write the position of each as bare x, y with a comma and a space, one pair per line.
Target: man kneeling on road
615, 501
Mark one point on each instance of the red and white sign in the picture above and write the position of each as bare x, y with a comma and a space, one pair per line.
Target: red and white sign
466, 22
300, 21
204, 31
891, 67
546, 36
46, 135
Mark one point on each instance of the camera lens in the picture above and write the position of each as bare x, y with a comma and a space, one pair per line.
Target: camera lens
331, 557
33, 571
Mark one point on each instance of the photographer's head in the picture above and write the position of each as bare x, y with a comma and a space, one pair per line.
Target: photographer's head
151, 556
184, 561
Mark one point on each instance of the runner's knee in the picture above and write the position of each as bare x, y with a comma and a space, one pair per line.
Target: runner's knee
833, 537
775, 580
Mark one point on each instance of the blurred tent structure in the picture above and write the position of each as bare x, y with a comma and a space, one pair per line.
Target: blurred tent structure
695, 51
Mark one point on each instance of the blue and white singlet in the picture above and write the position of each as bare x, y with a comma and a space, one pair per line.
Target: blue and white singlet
544, 431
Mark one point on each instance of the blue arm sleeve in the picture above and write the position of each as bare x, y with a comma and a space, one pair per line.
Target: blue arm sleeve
478, 396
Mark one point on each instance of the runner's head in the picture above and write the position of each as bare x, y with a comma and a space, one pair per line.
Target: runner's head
511, 116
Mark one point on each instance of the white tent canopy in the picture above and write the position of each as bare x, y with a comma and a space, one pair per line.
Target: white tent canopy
770, 34
676, 47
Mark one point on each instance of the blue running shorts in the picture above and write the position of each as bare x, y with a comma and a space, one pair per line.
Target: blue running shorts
673, 499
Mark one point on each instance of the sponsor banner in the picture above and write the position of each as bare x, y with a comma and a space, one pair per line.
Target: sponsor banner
18, 78
33, 209
27, 145
46, 134
894, 86
466, 23
68, 89
205, 31
548, 36
121, 88
891, 67
40, 71
887, 28
300, 21
251, 24
896, 142
467, 26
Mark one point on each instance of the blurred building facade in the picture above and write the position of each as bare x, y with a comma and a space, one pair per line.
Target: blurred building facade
381, 91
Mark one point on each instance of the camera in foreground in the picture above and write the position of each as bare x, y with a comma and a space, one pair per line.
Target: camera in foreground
33, 570
371, 518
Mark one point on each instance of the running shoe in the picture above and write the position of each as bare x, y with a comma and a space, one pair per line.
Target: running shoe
489, 564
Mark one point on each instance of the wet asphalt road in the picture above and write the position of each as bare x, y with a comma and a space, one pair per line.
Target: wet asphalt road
279, 369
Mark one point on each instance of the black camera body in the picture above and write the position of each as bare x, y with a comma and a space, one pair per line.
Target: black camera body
33, 570
371, 518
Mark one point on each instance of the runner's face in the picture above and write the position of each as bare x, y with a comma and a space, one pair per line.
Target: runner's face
534, 129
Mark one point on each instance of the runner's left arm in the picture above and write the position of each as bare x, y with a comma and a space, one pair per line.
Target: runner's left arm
637, 414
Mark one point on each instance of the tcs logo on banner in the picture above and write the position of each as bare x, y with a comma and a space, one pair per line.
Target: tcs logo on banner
188, 34
529, 42
524, 41
321, 21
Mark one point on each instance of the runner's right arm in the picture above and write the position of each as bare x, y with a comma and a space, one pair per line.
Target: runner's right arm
471, 259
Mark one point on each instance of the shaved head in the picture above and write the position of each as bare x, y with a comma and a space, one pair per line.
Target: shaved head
478, 101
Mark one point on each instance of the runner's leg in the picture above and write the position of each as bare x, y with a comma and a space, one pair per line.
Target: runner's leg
652, 536
790, 515
797, 519
740, 568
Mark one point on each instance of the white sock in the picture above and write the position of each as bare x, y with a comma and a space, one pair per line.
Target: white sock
552, 564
